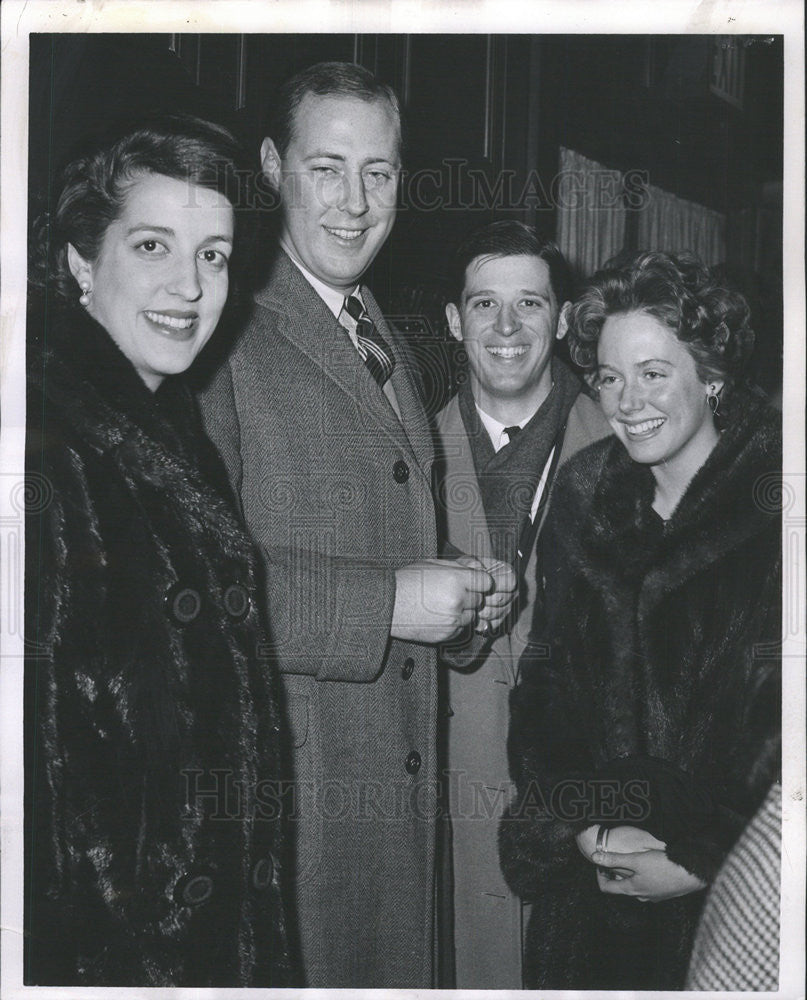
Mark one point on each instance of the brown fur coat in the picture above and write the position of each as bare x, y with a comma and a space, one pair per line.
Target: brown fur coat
663, 668
151, 726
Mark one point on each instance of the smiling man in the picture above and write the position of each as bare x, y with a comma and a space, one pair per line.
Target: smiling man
518, 416
318, 418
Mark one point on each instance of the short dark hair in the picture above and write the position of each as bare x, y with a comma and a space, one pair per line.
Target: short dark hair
92, 188
324, 79
509, 238
711, 320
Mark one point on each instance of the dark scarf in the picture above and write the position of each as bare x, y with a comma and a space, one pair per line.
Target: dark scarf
509, 478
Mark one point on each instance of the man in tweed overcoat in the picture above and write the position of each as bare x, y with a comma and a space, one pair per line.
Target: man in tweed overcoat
334, 475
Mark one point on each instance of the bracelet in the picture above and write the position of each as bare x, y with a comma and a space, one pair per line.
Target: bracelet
602, 838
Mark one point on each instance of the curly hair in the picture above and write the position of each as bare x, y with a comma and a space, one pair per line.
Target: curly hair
711, 320
92, 189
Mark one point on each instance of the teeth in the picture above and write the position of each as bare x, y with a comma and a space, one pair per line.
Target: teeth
507, 352
346, 234
644, 426
173, 321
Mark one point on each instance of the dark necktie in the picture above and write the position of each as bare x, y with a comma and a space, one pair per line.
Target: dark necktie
373, 349
511, 432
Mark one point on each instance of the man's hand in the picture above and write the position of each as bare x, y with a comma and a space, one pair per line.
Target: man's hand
499, 601
437, 598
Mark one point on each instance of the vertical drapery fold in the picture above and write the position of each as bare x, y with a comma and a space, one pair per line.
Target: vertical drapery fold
591, 217
667, 222
591, 211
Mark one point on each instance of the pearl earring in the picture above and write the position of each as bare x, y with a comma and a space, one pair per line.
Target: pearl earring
84, 298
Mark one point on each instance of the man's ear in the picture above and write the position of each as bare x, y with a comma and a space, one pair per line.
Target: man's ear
563, 320
79, 268
270, 163
454, 321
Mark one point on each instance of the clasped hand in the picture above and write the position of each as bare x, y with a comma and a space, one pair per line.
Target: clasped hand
636, 864
437, 598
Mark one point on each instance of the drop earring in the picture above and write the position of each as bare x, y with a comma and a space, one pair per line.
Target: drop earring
84, 298
713, 399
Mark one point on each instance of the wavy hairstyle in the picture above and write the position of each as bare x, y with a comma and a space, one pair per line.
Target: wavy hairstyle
510, 238
92, 189
711, 320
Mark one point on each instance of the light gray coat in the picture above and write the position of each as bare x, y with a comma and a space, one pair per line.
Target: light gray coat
487, 915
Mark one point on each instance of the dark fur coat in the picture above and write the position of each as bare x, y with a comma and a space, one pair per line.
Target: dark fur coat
152, 848
658, 696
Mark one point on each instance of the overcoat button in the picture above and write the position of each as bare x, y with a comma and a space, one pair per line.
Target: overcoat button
400, 471
262, 873
183, 603
193, 890
407, 668
237, 601
413, 762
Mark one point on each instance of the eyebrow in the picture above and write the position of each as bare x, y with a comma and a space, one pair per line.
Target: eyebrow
641, 364
323, 155
521, 291
167, 231
147, 225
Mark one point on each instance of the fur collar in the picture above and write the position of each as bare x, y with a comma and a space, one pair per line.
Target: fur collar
86, 393
80, 370
619, 540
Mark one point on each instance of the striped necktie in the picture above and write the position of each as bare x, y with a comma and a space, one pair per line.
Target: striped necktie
373, 349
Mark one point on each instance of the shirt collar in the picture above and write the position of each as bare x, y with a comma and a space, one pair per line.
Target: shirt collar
495, 429
333, 300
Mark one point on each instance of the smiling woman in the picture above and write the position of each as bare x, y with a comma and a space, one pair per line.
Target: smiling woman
144, 682
658, 708
159, 282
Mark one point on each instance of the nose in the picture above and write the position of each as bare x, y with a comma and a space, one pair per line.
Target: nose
184, 279
630, 398
354, 196
507, 321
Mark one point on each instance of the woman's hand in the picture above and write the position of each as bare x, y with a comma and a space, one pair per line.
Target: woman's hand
620, 840
654, 877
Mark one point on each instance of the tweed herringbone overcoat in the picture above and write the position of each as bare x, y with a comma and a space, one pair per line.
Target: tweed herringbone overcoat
336, 491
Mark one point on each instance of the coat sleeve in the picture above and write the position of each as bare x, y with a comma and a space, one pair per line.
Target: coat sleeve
754, 761
548, 763
328, 616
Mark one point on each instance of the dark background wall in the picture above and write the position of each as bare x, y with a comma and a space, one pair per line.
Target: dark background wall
485, 115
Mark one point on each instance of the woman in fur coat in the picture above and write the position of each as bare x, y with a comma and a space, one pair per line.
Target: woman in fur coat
152, 849
646, 732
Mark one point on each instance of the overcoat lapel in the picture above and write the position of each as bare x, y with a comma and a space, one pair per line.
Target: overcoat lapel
312, 328
468, 527
404, 382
